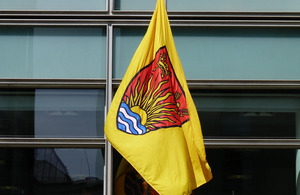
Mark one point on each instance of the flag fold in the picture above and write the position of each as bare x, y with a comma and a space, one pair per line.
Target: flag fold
152, 121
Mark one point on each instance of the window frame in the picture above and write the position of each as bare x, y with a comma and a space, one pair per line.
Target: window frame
110, 18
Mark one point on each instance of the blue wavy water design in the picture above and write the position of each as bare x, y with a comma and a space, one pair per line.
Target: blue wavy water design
129, 121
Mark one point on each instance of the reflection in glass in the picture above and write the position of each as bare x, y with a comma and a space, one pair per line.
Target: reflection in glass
255, 115
51, 171
52, 113
251, 171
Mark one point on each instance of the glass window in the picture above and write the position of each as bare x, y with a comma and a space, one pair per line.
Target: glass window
126, 41
234, 5
44, 52
134, 5
239, 53
213, 5
51, 171
243, 115
52, 113
251, 171
53, 5
222, 53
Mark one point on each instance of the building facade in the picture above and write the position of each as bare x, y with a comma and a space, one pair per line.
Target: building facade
61, 62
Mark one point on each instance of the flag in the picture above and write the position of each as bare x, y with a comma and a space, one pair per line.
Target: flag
152, 121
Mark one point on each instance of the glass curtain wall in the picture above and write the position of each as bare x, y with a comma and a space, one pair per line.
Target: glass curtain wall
61, 62
52, 114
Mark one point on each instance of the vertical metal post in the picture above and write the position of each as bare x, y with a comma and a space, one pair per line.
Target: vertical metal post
108, 172
110, 6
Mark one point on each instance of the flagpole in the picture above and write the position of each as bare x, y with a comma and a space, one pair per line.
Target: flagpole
110, 6
108, 168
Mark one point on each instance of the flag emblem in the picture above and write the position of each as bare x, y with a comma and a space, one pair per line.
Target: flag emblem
154, 99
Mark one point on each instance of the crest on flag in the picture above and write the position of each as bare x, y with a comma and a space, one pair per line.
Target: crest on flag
154, 99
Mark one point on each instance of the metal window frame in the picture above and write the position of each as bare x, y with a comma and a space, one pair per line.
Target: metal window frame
18, 142
118, 20
53, 83
111, 18
252, 143
237, 84
114, 83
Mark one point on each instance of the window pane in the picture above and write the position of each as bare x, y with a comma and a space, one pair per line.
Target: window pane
239, 53
234, 5
43, 52
258, 115
223, 53
134, 5
53, 5
52, 113
251, 171
126, 41
51, 171
213, 5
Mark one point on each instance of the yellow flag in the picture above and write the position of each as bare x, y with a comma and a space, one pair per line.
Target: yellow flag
153, 122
